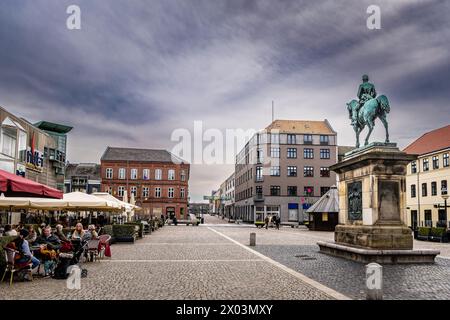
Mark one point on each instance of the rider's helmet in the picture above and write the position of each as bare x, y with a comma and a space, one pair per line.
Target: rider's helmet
365, 78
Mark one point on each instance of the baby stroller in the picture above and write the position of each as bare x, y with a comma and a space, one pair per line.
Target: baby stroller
73, 257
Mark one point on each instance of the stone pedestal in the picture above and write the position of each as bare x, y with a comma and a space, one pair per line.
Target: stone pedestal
372, 207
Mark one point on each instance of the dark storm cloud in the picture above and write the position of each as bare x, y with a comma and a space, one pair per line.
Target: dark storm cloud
139, 69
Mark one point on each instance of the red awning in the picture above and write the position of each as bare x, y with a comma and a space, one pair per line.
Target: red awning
12, 184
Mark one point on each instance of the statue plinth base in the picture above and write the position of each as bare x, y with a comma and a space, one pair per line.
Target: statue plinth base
372, 208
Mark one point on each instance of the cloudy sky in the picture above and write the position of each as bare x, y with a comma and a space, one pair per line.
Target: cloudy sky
137, 70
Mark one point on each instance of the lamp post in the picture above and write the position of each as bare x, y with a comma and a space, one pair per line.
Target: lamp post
444, 195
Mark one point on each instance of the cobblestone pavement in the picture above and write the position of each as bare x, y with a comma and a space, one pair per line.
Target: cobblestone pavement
298, 250
182, 262
187, 262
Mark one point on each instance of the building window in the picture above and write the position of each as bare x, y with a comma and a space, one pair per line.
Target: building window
275, 171
324, 153
308, 191
445, 160
182, 193
275, 190
307, 139
324, 172
133, 174
324, 139
158, 192
9, 140
23, 145
259, 190
146, 174
291, 139
292, 153
428, 221
109, 189
259, 175
444, 185
158, 174
434, 188
413, 191
414, 167
308, 171
424, 190
171, 174
308, 153
122, 173
109, 173
259, 156
324, 190
274, 152
121, 191
145, 192
435, 162
274, 138
292, 191
133, 191
426, 165
292, 171
171, 193
183, 175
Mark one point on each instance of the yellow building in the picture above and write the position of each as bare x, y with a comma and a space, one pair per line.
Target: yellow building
428, 178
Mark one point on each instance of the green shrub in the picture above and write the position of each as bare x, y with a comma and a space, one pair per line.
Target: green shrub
107, 229
438, 232
140, 226
424, 231
3, 242
124, 232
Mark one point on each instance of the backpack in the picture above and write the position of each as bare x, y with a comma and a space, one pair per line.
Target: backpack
60, 271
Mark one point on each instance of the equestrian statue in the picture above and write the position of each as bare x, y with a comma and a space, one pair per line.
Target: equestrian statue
365, 110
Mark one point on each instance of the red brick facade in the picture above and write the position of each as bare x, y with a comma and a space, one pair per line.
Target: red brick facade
150, 203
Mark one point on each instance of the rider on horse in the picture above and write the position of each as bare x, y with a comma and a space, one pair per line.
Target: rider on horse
366, 91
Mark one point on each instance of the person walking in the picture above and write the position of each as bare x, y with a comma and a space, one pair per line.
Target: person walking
277, 222
267, 220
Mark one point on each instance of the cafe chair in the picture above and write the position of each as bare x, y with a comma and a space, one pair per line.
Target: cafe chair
11, 267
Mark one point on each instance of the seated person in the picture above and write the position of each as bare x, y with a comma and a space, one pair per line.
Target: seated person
41, 228
24, 255
32, 236
9, 231
59, 233
78, 233
49, 247
94, 234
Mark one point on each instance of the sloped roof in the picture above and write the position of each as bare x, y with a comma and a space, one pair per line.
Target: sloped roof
431, 141
91, 170
329, 202
301, 127
141, 155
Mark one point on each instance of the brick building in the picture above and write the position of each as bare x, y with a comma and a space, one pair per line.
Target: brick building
157, 178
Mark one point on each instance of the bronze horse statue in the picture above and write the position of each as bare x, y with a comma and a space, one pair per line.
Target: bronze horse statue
366, 115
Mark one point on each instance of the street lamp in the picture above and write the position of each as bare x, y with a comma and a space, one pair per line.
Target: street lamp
444, 195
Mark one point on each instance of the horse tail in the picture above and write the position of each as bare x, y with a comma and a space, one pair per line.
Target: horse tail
384, 103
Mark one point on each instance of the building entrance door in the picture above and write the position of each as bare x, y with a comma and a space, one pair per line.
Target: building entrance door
413, 219
170, 211
293, 212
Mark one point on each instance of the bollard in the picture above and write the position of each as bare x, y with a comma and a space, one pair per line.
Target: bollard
374, 281
252, 239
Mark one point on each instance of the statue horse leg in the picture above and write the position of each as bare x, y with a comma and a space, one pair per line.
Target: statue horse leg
371, 125
385, 123
357, 132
